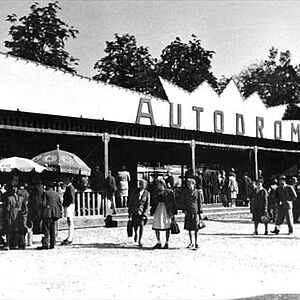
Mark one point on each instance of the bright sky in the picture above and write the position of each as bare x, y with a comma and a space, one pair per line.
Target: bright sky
238, 31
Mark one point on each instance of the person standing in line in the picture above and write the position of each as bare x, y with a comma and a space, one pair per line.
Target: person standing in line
272, 205
285, 195
111, 188
69, 205
192, 209
138, 205
245, 189
97, 179
207, 182
259, 207
22, 191
199, 184
51, 213
34, 219
15, 211
296, 205
164, 210
223, 188
123, 185
233, 188
169, 180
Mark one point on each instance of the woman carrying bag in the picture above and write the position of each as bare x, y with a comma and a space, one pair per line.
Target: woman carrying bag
139, 203
192, 209
163, 209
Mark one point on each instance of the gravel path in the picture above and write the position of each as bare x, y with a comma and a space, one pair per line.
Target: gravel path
104, 264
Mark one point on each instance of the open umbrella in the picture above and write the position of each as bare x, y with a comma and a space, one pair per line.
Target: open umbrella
21, 164
63, 162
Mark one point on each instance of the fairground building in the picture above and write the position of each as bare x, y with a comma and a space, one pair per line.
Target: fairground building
111, 126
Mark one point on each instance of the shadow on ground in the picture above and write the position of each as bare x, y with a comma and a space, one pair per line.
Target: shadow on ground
251, 236
117, 246
273, 297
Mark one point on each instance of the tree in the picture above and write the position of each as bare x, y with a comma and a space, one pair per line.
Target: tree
222, 83
275, 80
40, 36
186, 64
127, 65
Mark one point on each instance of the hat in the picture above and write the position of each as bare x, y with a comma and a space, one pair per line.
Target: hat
282, 177
294, 179
191, 180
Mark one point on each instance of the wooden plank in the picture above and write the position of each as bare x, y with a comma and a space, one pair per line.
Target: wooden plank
88, 202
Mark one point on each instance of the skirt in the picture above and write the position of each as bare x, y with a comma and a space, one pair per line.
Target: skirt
138, 220
161, 221
70, 211
123, 193
191, 221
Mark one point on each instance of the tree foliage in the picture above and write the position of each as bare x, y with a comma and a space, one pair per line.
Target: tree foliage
40, 36
275, 80
128, 65
186, 64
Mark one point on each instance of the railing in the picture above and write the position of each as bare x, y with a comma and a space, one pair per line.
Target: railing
88, 204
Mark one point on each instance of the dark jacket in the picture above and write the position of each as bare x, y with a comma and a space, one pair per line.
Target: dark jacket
192, 202
259, 204
170, 181
34, 205
110, 185
285, 194
69, 196
51, 205
167, 196
138, 205
15, 212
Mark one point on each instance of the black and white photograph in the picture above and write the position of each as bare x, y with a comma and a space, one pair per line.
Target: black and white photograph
149, 149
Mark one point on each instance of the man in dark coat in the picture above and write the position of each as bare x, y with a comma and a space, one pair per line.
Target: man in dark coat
69, 205
97, 179
110, 189
51, 212
15, 212
285, 195
245, 189
34, 219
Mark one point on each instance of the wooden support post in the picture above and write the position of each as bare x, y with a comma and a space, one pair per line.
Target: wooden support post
105, 139
78, 196
193, 147
182, 175
93, 195
256, 162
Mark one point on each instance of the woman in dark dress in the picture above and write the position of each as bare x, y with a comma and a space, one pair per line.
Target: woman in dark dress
192, 209
259, 206
138, 205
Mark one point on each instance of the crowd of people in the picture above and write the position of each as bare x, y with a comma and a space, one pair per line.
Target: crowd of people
35, 209
279, 202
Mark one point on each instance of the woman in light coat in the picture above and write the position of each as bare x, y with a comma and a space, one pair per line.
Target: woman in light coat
163, 209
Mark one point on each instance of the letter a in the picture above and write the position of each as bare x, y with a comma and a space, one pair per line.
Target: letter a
147, 115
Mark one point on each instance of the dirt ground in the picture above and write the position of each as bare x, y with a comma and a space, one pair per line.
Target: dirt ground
104, 264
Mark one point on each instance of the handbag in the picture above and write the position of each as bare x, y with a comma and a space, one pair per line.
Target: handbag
265, 219
129, 228
174, 228
201, 224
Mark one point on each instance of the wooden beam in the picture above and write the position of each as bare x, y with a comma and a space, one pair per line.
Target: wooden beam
145, 139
